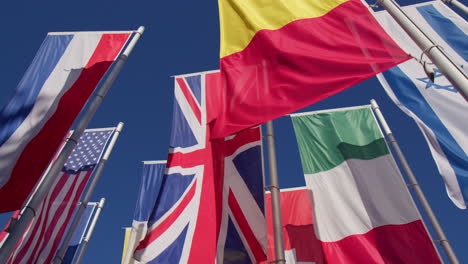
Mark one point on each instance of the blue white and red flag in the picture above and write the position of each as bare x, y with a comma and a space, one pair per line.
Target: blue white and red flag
79, 233
54, 89
151, 183
41, 240
211, 206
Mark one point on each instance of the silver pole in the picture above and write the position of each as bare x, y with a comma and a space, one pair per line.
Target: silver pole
275, 196
97, 174
442, 239
86, 239
458, 5
29, 213
447, 66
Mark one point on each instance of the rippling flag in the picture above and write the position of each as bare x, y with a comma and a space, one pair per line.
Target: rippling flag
41, 240
54, 89
363, 211
210, 207
79, 233
301, 245
436, 106
279, 56
150, 188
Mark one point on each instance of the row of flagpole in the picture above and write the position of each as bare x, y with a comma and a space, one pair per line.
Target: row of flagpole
29, 211
275, 191
456, 76
97, 174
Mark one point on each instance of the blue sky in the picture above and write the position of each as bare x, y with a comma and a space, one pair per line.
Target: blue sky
181, 37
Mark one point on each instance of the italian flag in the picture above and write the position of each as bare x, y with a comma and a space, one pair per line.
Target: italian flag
363, 212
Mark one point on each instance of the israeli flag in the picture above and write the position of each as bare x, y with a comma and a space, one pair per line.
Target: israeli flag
437, 107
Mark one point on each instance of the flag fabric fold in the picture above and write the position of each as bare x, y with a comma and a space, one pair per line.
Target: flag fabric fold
280, 56
211, 207
363, 211
41, 240
437, 107
54, 89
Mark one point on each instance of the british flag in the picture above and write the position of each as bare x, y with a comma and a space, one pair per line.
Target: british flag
211, 206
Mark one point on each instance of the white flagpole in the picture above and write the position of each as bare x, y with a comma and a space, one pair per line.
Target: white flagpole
96, 175
86, 239
458, 5
446, 65
18, 229
275, 196
442, 239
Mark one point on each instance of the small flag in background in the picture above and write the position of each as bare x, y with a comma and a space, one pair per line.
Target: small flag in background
210, 208
363, 211
151, 183
279, 56
300, 242
40, 242
79, 234
54, 89
437, 107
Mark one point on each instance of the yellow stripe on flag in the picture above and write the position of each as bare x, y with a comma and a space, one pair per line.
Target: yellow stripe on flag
128, 230
241, 19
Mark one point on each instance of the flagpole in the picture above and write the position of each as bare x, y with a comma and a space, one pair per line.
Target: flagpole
437, 55
442, 239
86, 239
458, 5
275, 196
97, 174
29, 212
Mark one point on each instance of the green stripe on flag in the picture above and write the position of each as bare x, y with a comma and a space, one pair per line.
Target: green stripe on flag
327, 139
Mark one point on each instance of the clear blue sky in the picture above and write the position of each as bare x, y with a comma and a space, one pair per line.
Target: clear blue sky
181, 37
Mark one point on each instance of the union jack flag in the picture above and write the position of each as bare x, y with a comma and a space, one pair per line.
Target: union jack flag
211, 206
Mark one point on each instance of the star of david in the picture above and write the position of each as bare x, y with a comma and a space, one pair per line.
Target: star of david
430, 84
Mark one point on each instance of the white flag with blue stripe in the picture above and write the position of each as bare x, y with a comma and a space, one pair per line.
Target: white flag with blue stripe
437, 107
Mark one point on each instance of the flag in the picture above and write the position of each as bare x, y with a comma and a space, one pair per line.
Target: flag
363, 211
210, 207
79, 233
54, 89
437, 107
151, 181
279, 56
125, 250
41, 240
300, 243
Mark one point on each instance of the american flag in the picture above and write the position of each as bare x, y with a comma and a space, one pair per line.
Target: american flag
41, 240
211, 206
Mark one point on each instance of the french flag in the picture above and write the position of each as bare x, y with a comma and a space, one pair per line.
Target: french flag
65, 72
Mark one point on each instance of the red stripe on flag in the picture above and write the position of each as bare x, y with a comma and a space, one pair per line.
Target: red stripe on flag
189, 96
37, 154
164, 225
71, 208
407, 243
243, 224
38, 224
251, 135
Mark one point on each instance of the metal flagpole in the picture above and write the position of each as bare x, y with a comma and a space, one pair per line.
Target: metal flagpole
275, 196
18, 229
447, 66
97, 174
442, 239
86, 239
458, 5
